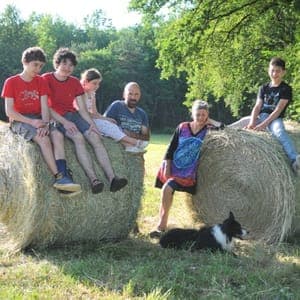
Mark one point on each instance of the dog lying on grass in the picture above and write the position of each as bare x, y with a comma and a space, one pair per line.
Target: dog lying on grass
217, 237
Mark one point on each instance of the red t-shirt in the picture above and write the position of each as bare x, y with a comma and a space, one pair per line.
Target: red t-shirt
63, 93
26, 95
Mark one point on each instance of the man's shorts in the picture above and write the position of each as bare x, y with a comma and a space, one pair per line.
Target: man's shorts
27, 131
81, 124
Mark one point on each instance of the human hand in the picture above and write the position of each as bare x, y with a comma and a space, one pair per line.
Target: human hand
94, 128
37, 123
260, 127
43, 131
167, 171
111, 120
250, 126
70, 127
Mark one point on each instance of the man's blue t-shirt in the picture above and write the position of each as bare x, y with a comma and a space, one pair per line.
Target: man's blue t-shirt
125, 118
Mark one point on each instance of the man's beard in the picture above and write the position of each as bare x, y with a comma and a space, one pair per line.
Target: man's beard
132, 103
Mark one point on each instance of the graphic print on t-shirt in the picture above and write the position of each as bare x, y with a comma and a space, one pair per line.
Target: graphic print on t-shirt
130, 124
271, 100
32, 95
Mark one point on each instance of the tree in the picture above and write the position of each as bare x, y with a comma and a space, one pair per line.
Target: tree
223, 46
15, 36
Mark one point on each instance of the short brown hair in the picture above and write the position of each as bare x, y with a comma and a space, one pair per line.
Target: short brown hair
33, 53
278, 62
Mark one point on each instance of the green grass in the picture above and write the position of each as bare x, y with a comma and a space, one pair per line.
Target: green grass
137, 268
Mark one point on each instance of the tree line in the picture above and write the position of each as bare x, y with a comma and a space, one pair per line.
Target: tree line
120, 55
223, 47
210, 49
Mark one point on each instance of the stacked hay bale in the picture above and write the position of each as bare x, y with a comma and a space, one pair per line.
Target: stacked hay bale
249, 174
35, 214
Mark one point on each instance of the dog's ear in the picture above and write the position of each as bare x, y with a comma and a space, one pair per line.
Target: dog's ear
231, 215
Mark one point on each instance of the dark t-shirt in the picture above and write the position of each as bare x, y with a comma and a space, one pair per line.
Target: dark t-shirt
271, 95
125, 118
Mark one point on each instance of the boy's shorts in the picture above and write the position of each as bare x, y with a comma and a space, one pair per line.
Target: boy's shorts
27, 131
81, 124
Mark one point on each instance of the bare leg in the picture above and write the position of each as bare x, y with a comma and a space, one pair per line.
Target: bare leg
58, 144
166, 202
47, 152
101, 154
83, 156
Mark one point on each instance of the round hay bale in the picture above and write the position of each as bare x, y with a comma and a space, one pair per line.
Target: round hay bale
246, 173
293, 129
34, 213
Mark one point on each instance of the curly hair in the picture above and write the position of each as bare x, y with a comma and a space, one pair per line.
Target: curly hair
61, 55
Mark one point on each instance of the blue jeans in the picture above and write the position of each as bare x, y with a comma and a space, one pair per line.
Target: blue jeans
276, 127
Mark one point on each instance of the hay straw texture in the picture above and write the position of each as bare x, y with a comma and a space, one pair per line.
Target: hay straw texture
293, 129
33, 212
249, 174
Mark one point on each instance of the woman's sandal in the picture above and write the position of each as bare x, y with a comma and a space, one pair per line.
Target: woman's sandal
97, 186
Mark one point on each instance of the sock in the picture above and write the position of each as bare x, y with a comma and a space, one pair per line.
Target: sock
61, 166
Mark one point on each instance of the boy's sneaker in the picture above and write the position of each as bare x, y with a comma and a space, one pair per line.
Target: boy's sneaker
142, 144
117, 184
134, 149
296, 165
64, 183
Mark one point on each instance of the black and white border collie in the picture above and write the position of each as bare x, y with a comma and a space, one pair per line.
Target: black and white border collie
217, 237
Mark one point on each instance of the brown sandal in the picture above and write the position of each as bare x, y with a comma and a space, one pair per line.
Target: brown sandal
97, 186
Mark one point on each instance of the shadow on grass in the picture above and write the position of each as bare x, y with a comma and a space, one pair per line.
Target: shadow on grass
137, 267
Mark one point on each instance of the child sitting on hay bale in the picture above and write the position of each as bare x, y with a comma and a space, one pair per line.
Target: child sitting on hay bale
179, 168
26, 106
272, 101
77, 125
90, 80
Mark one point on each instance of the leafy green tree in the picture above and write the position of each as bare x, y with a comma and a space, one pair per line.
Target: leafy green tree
99, 29
15, 36
224, 46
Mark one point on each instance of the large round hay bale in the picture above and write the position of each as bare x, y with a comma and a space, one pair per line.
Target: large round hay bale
246, 173
293, 129
34, 214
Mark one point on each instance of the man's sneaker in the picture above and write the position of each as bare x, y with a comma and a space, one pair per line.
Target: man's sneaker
142, 144
134, 149
117, 184
64, 183
296, 165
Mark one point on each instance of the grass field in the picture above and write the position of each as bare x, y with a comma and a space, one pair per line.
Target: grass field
137, 268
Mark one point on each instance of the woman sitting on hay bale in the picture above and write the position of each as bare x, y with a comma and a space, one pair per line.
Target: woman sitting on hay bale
179, 168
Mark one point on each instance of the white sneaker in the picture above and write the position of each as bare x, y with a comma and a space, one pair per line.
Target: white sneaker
134, 149
296, 165
142, 144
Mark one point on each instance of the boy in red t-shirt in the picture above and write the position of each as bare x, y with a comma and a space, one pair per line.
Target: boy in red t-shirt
77, 125
26, 96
